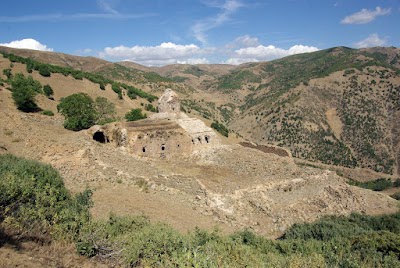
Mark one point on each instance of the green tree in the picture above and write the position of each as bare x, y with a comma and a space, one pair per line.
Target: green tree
24, 91
44, 70
105, 111
79, 111
135, 114
48, 91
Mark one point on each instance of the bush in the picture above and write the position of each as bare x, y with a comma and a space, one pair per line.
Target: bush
24, 91
47, 90
48, 113
115, 87
150, 107
79, 111
375, 185
44, 70
33, 198
7, 72
220, 128
135, 114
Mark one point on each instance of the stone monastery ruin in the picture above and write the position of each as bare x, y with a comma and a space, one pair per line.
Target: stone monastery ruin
168, 134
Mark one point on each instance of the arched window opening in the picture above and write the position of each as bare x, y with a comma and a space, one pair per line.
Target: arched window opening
163, 147
100, 137
144, 149
207, 139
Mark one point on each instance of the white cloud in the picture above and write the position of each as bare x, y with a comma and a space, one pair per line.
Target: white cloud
200, 28
264, 53
27, 43
243, 41
373, 40
237, 61
165, 53
364, 16
194, 61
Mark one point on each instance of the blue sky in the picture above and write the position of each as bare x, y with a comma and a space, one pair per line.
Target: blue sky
160, 32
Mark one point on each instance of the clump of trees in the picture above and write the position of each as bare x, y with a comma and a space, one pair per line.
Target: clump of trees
81, 112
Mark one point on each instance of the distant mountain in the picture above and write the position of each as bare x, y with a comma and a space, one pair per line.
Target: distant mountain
337, 106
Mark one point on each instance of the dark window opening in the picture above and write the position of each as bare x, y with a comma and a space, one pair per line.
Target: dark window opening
100, 137
163, 147
199, 139
193, 141
179, 145
144, 149
207, 139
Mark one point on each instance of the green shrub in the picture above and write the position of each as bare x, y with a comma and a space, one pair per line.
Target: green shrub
7, 72
79, 111
115, 87
47, 112
44, 70
78, 75
150, 107
24, 91
220, 128
47, 90
33, 198
396, 183
135, 114
375, 185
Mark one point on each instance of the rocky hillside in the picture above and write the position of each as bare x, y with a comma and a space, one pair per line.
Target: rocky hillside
337, 106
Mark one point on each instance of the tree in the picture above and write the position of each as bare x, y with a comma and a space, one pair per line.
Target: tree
24, 91
105, 111
79, 111
48, 91
135, 114
44, 70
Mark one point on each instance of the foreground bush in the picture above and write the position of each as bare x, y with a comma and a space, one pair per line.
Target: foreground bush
33, 199
355, 241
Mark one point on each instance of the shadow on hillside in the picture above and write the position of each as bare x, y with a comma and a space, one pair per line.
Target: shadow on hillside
9, 240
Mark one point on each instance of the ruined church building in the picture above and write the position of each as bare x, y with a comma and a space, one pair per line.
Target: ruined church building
169, 133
